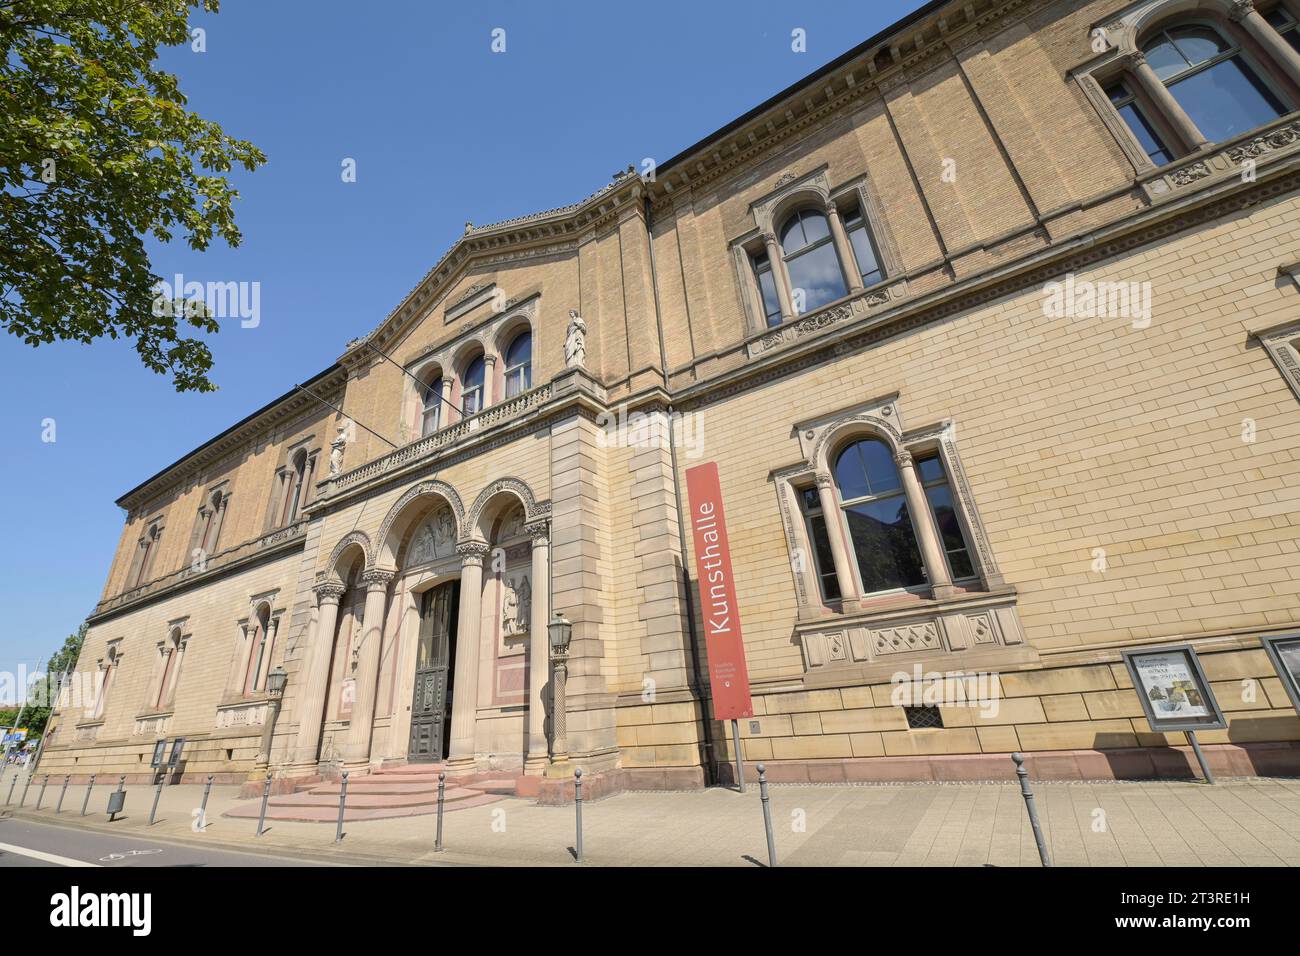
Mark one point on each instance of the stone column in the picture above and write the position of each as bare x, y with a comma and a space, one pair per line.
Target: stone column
927, 535
311, 696
844, 248
1165, 102
1259, 30
356, 747
464, 700
835, 530
538, 648
779, 278
489, 379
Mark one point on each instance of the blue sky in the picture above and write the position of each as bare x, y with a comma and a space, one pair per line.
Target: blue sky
443, 130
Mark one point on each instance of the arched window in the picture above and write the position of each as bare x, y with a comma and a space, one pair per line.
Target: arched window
294, 482
810, 261
261, 646
519, 364
1211, 80
431, 407
148, 548
880, 527
171, 651
1284, 22
471, 395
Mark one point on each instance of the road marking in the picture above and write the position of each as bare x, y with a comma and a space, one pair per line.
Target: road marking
44, 857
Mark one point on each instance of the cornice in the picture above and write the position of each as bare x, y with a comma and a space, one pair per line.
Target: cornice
189, 468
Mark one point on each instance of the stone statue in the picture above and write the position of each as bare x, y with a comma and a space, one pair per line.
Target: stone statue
336, 450
575, 342
525, 603
509, 607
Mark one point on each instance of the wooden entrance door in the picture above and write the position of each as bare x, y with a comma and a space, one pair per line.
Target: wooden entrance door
434, 658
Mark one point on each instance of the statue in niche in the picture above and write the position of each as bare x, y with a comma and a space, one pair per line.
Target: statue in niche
509, 607
525, 593
575, 342
516, 605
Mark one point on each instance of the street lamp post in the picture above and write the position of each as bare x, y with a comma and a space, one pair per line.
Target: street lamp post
275, 682
560, 632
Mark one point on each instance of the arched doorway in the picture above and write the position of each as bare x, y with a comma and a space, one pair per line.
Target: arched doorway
435, 655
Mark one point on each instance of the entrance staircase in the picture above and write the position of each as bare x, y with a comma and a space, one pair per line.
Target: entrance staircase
395, 792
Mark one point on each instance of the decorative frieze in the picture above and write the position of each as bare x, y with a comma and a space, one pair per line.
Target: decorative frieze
251, 714
940, 632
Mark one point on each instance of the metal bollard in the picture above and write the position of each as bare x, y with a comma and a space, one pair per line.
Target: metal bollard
58, 807
577, 803
40, 797
203, 804
767, 814
1028, 794
343, 799
266, 796
12, 783
157, 792
26, 786
89, 787
442, 786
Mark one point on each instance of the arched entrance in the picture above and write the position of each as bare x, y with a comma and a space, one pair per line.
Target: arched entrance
435, 655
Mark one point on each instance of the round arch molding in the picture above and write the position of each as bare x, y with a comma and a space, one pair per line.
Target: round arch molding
383, 554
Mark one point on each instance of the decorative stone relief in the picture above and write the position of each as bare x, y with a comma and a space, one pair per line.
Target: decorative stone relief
434, 540
155, 726
242, 715
942, 629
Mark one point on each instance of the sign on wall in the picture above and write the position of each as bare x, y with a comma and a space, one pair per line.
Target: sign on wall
728, 675
1284, 650
14, 736
177, 746
159, 748
1173, 689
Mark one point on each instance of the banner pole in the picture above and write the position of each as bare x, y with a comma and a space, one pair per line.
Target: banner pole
740, 760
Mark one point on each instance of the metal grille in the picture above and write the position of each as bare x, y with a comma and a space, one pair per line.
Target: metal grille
923, 716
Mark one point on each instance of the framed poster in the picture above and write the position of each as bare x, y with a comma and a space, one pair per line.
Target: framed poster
1172, 687
159, 748
177, 745
1284, 650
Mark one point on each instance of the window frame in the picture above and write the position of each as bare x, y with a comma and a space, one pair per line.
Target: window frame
844, 504
522, 370
479, 390
809, 512
807, 249
945, 481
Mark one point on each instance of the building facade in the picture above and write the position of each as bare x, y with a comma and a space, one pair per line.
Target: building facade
992, 328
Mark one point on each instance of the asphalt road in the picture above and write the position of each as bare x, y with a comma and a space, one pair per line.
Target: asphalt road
26, 843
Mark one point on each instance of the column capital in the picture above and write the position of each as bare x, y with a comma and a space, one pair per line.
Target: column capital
824, 480
472, 552
903, 458
489, 359
1135, 59
329, 592
831, 208
539, 531
1238, 10
377, 579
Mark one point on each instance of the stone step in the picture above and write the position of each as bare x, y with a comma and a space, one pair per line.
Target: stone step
416, 768
371, 801
326, 814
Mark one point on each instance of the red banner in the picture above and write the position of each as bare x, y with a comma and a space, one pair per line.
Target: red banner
728, 676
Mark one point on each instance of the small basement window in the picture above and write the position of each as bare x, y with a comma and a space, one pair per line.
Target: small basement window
923, 716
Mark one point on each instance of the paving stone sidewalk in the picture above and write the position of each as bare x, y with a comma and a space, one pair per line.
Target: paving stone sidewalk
1240, 822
